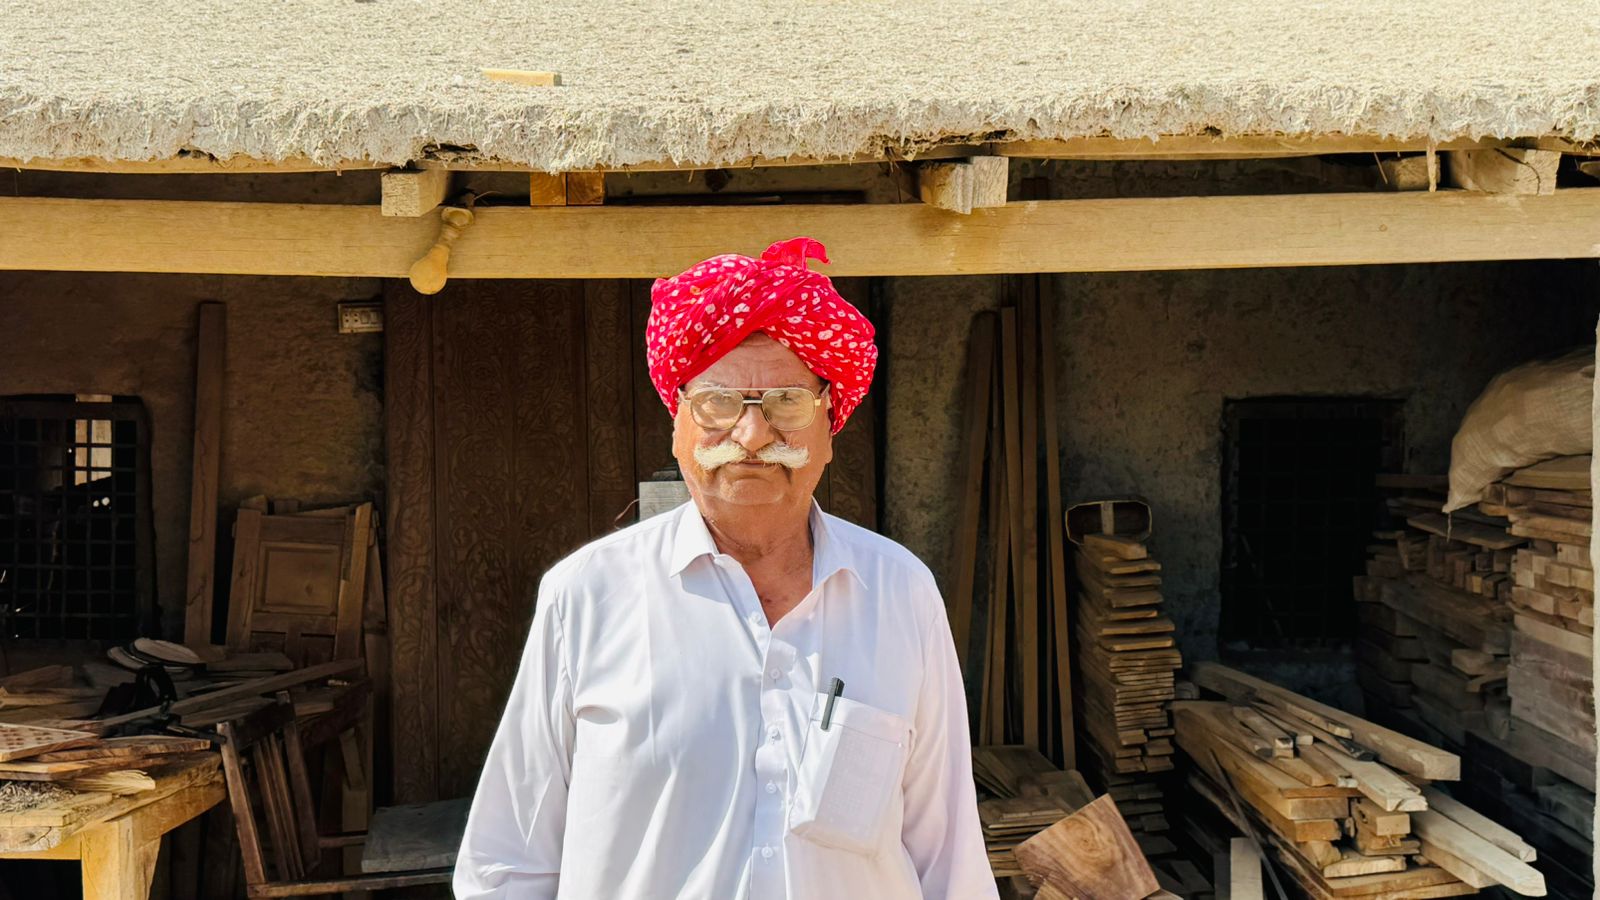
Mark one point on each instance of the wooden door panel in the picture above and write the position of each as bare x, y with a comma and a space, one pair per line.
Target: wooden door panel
519, 417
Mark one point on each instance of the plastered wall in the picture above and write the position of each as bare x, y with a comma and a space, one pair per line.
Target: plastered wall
1147, 359
302, 404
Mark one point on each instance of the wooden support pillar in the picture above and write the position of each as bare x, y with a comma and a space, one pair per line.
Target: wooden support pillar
1505, 170
964, 185
408, 192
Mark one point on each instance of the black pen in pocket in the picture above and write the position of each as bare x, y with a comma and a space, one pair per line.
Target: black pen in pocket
835, 688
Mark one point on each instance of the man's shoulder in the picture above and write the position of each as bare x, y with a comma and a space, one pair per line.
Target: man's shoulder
604, 557
873, 549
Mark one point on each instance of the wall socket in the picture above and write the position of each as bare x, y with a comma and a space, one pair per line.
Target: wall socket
360, 316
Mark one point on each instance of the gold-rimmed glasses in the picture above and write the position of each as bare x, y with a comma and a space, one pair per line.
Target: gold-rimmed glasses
785, 408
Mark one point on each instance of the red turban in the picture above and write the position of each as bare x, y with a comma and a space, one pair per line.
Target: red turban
697, 317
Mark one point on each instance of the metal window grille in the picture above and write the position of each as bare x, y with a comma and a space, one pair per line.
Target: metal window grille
76, 551
1299, 506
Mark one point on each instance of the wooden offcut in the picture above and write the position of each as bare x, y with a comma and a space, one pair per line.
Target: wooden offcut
1090, 853
210, 366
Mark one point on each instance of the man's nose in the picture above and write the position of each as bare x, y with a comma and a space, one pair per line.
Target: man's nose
753, 431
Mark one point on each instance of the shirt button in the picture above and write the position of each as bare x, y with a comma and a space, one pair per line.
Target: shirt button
774, 733
773, 674
772, 787
766, 852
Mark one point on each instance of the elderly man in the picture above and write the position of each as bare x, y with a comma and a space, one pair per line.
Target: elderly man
745, 697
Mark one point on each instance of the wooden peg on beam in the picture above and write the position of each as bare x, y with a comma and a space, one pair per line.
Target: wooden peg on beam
429, 274
964, 185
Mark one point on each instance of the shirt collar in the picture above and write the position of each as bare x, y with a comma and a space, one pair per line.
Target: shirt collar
830, 554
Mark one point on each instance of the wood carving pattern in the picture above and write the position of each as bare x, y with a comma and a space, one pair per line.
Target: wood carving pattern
652, 427
408, 416
609, 400
512, 466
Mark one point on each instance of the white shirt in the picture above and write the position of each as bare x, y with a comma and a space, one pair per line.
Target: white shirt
653, 741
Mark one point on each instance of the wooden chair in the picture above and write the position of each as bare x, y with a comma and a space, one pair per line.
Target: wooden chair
267, 783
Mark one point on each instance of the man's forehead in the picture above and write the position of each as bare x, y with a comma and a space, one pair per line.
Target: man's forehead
773, 364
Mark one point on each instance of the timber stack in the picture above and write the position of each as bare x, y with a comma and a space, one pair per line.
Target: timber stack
1126, 660
1497, 667
1347, 806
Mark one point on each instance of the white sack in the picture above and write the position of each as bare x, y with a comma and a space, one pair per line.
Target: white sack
1531, 413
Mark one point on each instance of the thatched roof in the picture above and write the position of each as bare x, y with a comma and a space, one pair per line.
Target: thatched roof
723, 80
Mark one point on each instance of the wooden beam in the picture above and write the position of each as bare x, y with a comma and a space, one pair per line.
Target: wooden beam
414, 192
1504, 170
1197, 147
1410, 173
880, 239
1191, 146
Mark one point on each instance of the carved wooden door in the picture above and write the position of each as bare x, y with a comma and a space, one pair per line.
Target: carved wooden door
519, 420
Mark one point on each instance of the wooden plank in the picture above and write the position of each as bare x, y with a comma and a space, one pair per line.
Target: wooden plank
1394, 749
413, 192
257, 687
1055, 525
969, 490
1455, 865
547, 189
1435, 829
1119, 234
1540, 630
586, 188
1090, 853
1378, 784
1503, 170
1465, 530
1018, 527
1479, 824
1028, 445
210, 368
1382, 822
1244, 871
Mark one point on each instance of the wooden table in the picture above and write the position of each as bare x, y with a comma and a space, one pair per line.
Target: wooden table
115, 838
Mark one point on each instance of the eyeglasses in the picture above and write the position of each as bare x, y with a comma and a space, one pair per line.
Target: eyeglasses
785, 408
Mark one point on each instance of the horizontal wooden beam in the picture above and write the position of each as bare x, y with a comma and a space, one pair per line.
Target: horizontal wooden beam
1201, 147
878, 239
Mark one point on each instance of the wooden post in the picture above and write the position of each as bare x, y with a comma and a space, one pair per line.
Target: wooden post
1505, 170
209, 375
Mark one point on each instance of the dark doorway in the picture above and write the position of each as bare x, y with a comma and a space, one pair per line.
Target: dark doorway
1300, 503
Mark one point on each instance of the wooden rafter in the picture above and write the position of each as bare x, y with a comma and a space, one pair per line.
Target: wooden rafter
880, 239
1106, 148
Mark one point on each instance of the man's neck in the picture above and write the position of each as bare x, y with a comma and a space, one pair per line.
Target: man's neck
760, 536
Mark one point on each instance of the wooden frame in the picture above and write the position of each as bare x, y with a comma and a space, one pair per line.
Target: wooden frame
269, 740
887, 239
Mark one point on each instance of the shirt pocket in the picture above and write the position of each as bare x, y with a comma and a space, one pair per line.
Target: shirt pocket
849, 776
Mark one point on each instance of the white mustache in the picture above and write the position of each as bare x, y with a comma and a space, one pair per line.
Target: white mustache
711, 458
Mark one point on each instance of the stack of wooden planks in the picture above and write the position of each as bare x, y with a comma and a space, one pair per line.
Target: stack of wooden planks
1476, 636
1348, 805
1047, 824
1022, 795
1126, 659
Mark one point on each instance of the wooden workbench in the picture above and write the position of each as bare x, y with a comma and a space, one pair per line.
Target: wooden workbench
116, 838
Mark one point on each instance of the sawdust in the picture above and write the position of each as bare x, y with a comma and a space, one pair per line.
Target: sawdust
20, 796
